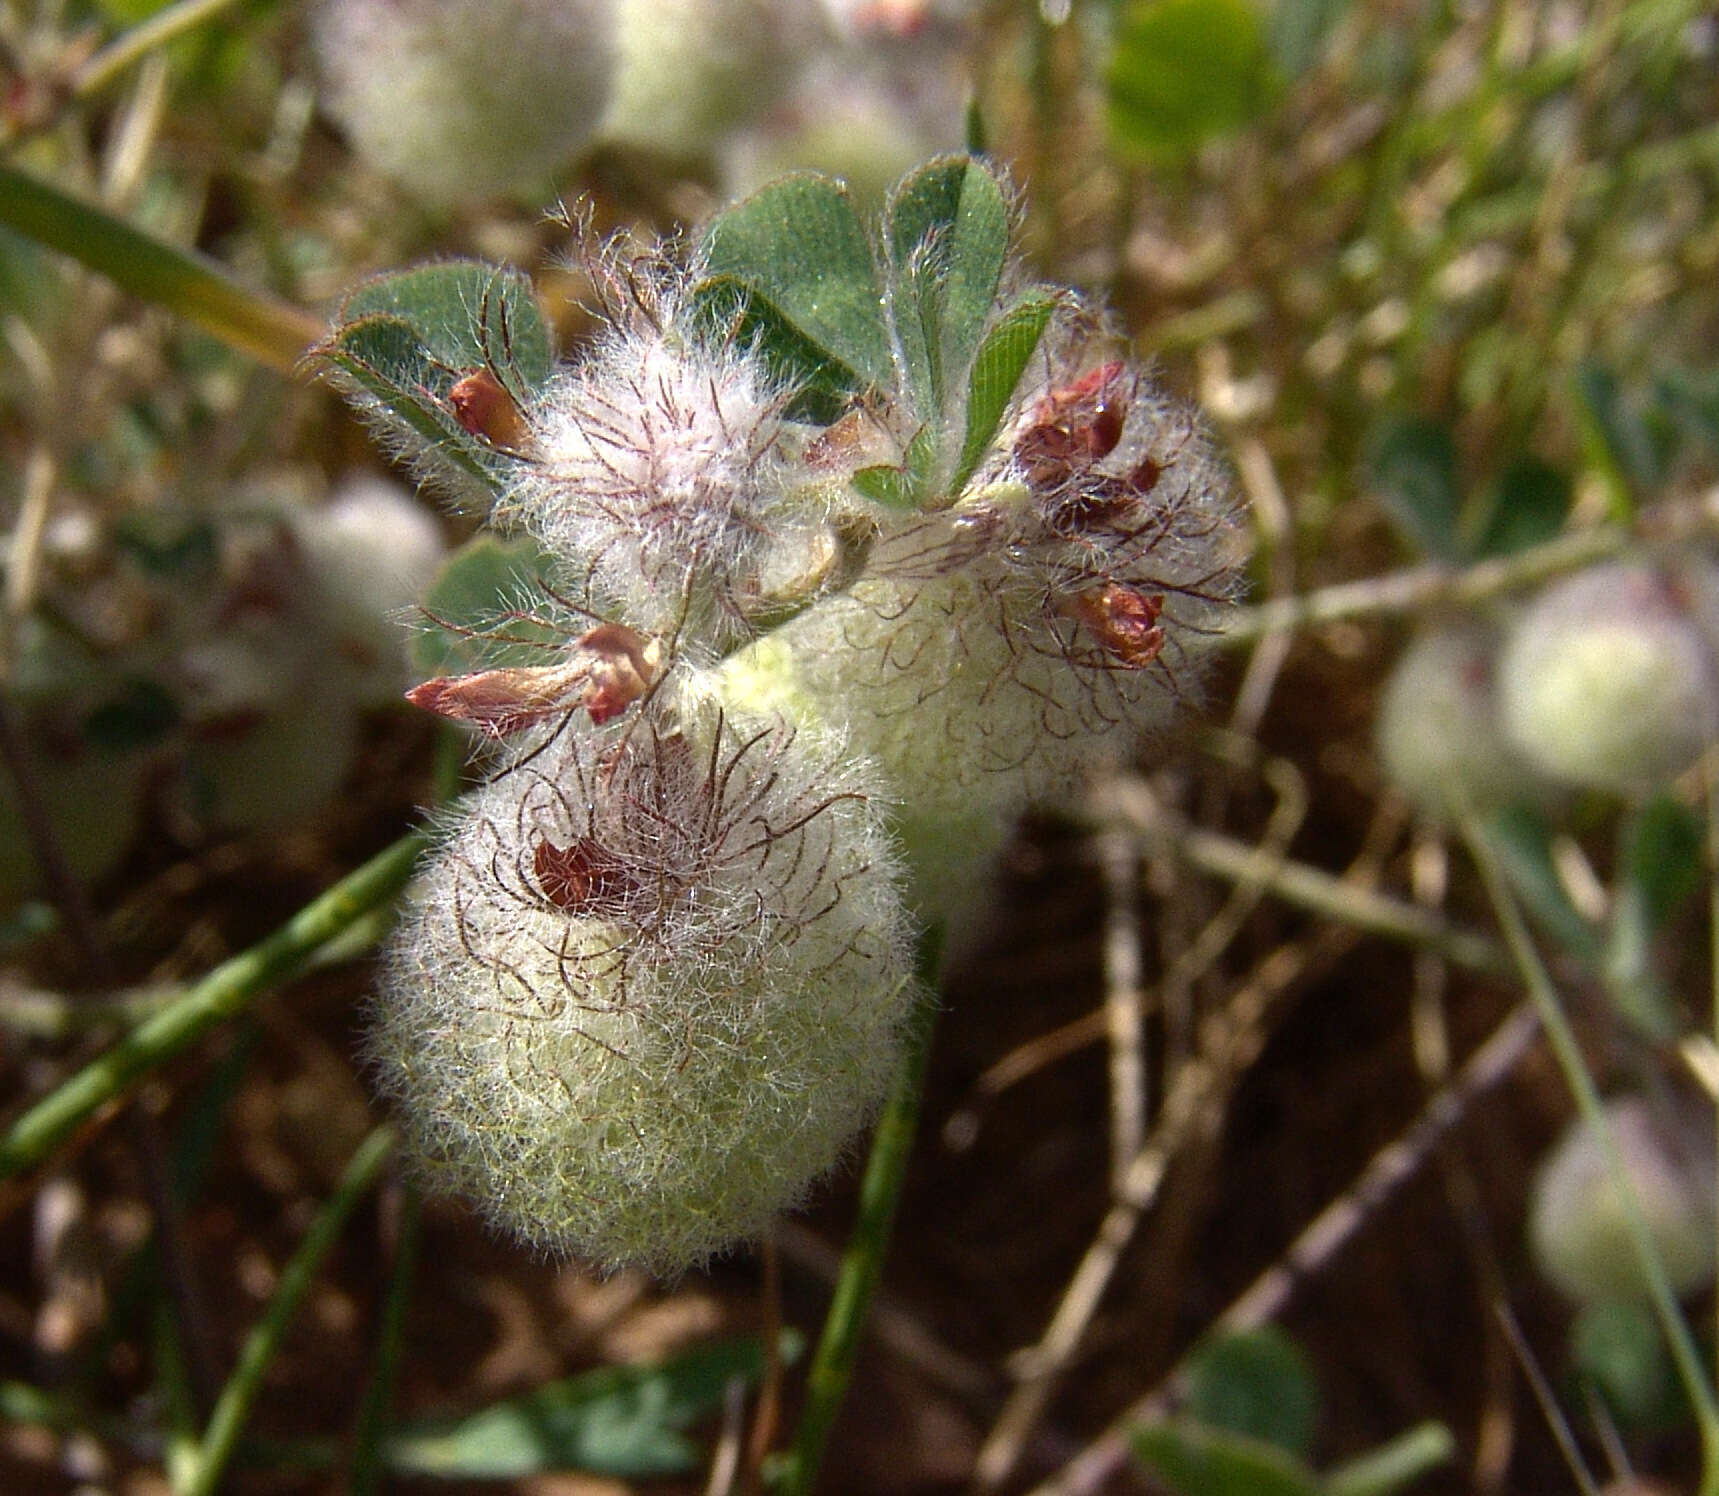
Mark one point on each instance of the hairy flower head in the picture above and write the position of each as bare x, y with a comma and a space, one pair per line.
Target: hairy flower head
651, 984
1610, 678
663, 472
458, 99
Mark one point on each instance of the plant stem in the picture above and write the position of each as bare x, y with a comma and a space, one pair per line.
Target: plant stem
373, 1411
234, 1404
862, 1264
190, 284
161, 28
1567, 1050
1421, 586
225, 992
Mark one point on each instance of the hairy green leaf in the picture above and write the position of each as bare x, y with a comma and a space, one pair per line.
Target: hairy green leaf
947, 231
474, 611
798, 244
997, 370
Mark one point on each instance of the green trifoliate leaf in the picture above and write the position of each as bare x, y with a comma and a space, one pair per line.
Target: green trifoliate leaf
724, 310
476, 612
408, 341
997, 370
1257, 1383
798, 246
906, 487
1414, 469
947, 231
623, 1421
466, 314
1193, 1460
1528, 505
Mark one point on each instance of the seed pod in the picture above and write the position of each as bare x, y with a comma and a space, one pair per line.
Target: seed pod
460, 99
650, 985
1610, 679
1576, 1223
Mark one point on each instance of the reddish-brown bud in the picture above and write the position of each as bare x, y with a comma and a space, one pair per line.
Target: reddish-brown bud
483, 407
1124, 621
1073, 428
582, 878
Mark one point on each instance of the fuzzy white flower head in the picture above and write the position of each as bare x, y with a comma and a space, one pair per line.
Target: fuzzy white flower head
1438, 732
1611, 680
1576, 1223
651, 985
663, 474
689, 71
997, 651
459, 99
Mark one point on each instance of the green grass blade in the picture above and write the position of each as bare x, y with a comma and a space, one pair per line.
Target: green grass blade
185, 282
219, 996
368, 1429
862, 1264
234, 1405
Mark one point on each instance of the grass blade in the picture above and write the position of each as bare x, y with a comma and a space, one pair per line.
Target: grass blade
192, 285
234, 1404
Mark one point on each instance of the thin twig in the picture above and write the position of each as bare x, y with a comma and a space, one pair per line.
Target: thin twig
1124, 999
1230, 1041
1421, 587
1323, 893
161, 28
1318, 1243
1548, 1401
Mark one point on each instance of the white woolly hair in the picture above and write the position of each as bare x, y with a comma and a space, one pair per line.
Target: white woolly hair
651, 984
1610, 677
969, 618
665, 475
461, 99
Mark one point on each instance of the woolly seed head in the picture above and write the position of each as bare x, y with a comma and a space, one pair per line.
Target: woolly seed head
457, 99
1438, 732
1053, 612
1609, 679
650, 985
664, 472
1576, 1222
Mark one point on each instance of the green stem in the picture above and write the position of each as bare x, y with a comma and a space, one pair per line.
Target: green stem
1567, 1050
160, 29
862, 1264
185, 282
225, 992
367, 1463
237, 1397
